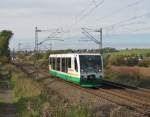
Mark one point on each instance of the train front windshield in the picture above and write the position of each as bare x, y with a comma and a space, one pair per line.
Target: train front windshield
90, 63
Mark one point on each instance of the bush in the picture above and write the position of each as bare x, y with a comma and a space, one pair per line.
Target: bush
132, 61
35, 100
145, 62
125, 76
128, 76
4, 59
147, 54
116, 60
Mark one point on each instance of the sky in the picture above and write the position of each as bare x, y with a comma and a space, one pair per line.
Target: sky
126, 18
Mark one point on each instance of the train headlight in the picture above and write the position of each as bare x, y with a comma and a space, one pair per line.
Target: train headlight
82, 70
100, 70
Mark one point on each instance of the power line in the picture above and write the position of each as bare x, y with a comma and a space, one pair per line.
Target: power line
112, 13
132, 23
127, 20
142, 29
120, 10
84, 10
85, 15
90, 36
90, 11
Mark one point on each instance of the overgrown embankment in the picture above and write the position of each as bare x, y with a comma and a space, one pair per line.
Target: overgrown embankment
7, 107
132, 76
130, 67
32, 99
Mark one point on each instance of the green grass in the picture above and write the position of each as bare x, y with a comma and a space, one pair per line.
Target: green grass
132, 51
1, 100
4, 81
130, 77
32, 99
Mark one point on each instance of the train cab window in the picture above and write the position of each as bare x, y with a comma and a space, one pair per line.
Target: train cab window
75, 64
90, 63
58, 64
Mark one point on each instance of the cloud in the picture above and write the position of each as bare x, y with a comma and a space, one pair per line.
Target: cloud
21, 16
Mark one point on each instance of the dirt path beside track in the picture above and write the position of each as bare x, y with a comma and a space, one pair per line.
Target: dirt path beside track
7, 108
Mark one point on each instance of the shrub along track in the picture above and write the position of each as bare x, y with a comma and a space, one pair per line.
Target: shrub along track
133, 98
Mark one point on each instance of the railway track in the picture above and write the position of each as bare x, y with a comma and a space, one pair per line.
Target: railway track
142, 91
114, 97
133, 98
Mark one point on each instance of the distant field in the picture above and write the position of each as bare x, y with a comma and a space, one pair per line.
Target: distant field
136, 70
132, 76
133, 51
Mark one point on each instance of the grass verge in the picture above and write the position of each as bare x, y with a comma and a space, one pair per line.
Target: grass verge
132, 76
32, 99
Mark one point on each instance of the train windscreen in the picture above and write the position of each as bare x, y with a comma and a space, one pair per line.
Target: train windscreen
90, 63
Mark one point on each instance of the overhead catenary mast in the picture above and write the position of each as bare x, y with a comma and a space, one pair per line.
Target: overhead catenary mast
37, 43
86, 32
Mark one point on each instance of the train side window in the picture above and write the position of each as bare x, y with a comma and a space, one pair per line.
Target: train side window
53, 60
75, 64
49, 60
54, 63
63, 65
66, 67
68, 62
58, 64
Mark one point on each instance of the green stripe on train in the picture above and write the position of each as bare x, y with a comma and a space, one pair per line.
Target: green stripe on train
65, 76
76, 80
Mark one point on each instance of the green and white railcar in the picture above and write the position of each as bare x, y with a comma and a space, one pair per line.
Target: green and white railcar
83, 69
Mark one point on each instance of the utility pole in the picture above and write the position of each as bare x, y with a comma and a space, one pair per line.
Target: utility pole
101, 38
86, 32
19, 46
50, 46
37, 43
36, 54
13, 54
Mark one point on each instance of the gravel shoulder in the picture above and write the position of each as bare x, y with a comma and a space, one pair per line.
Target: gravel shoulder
7, 108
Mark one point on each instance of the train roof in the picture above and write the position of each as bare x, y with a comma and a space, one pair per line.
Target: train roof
72, 54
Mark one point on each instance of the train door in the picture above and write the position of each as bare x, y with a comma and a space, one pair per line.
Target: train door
75, 64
